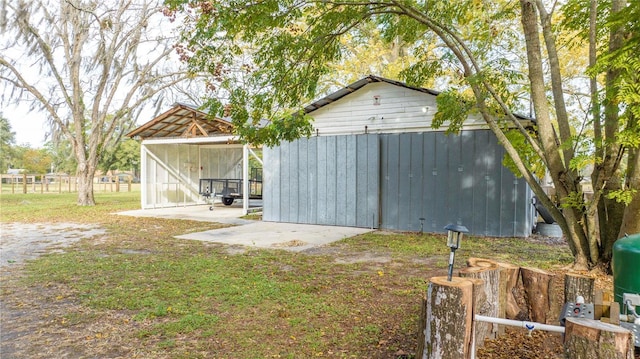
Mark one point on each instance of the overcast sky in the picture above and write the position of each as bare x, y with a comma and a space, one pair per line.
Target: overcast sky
30, 128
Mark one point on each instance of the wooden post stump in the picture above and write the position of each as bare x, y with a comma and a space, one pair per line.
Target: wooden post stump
421, 326
508, 306
449, 319
481, 330
487, 302
502, 286
481, 262
544, 305
592, 339
575, 285
511, 273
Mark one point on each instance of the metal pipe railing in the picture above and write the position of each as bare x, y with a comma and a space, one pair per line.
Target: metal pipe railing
522, 324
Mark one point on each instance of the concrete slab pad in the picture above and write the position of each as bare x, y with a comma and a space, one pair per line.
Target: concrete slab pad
288, 236
220, 213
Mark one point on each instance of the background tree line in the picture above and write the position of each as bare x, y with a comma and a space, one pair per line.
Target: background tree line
58, 157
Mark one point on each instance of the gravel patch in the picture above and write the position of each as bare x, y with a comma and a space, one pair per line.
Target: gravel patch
20, 242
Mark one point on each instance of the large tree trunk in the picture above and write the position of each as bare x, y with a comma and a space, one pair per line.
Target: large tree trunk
85, 174
631, 219
562, 118
85, 189
611, 212
571, 218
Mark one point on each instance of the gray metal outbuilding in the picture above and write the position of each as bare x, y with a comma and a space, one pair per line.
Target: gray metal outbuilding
376, 162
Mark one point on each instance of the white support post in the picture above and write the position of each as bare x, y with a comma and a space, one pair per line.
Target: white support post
245, 179
144, 176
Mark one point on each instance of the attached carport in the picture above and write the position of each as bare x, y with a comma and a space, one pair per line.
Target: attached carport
182, 146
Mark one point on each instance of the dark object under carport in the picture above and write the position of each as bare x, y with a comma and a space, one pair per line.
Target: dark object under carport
544, 213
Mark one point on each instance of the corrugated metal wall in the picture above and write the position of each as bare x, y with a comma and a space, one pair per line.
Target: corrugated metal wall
451, 179
400, 178
323, 180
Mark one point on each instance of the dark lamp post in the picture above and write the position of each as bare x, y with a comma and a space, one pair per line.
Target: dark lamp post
454, 236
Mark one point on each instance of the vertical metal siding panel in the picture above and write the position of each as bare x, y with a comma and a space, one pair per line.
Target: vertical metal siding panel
331, 184
508, 200
442, 195
467, 179
416, 180
429, 181
373, 183
322, 180
303, 181
481, 178
268, 173
292, 189
392, 189
312, 151
404, 181
272, 173
516, 208
278, 186
453, 195
285, 150
384, 182
351, 193
494, 164
367, 183
341, 180
361, 180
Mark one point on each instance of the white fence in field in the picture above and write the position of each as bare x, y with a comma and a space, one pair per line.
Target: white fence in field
41, 183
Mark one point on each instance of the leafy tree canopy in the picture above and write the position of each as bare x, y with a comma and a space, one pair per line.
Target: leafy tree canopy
491, 57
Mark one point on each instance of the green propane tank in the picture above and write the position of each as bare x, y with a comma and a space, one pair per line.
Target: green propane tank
626, 266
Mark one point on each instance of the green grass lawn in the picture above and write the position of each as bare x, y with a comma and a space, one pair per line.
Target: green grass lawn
139, 292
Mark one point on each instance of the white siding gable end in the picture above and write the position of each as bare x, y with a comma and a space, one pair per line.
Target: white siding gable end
381, 107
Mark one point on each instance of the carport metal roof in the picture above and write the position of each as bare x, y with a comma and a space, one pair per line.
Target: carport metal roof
182, 121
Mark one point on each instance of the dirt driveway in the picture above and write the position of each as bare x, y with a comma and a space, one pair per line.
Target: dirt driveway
23, 241
33, 317
20, 242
